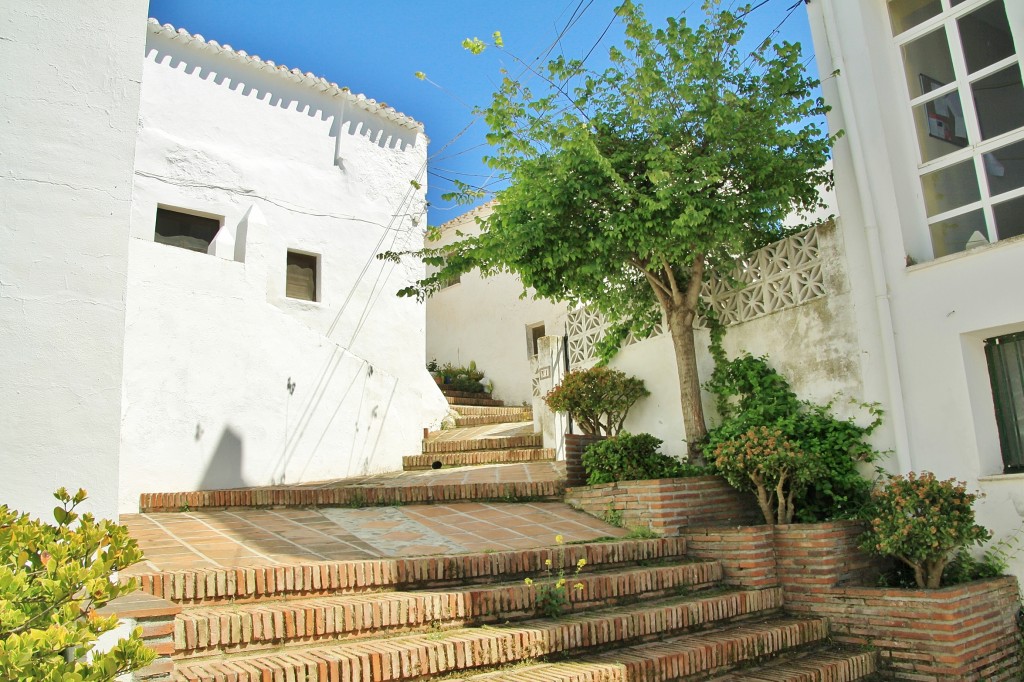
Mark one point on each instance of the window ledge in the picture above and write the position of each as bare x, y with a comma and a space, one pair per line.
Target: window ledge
964, 254
999, 478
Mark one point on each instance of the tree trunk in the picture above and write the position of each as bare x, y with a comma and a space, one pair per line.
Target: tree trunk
680, 326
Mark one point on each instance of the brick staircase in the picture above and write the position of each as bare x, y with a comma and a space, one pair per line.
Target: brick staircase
486, 432
645, 609
643, 612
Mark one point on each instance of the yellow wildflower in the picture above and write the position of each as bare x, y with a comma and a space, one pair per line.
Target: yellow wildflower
578, 587
559, 539
580, 564
528, 581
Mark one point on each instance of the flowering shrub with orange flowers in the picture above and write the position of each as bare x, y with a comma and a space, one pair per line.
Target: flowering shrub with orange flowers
762, 459
922, 521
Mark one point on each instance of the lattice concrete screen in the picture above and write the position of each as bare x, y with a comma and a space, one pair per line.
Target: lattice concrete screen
780, 276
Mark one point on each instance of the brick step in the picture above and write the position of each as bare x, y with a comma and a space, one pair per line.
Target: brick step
452, 393
529, 440
214, 585
478, 411
396, 491
230, 628
485, 419
465, 399
450, 651
478, 457
691, 657
831, 663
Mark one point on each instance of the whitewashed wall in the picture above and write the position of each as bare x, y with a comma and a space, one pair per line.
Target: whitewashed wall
69, 99
485, 320
921, 326
212, 344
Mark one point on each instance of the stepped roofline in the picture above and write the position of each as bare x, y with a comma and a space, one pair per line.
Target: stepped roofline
308, 79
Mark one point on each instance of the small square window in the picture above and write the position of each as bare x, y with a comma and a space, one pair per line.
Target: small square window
185, 230
301, 277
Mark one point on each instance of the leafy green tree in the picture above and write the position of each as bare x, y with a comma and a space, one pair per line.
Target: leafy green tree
629, 186
52, 578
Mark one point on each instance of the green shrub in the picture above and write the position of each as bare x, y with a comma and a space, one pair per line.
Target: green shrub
628, 457
52, 578
597, 399
762, 460
750, 394
923, 522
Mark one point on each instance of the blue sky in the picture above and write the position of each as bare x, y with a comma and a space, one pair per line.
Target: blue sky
375, 48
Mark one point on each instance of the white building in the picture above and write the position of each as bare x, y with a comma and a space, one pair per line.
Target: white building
224, 306
930, 184
69, 102
487, 321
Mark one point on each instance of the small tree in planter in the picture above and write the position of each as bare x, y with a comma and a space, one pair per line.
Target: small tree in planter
597, 399
750, 395
762, 460
922, 521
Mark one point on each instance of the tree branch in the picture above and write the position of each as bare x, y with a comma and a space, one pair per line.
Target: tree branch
671, 278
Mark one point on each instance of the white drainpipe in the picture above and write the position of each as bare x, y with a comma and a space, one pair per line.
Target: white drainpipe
878, 274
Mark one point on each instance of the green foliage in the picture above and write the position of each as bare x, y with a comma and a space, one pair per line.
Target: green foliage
626, 186
460, 378
552, 588
751, 394
598, 399
629, 457
922, 521
761, 458
52, 578
612, 516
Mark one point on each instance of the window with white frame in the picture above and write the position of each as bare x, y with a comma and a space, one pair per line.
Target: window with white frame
963, 73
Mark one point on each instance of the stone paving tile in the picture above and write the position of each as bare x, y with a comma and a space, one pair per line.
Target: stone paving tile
263, 537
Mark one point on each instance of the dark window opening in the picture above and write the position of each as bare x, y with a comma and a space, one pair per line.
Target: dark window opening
184, 230
536, 332
301, 277
1005, 356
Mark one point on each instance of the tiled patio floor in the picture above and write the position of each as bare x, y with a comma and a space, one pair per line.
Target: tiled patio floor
261, 537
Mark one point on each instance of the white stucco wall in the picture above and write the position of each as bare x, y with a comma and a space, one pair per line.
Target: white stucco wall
485, 320
213, 345
929, 319
69, 98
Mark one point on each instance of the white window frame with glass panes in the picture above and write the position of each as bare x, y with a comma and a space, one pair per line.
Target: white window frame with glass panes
961, 165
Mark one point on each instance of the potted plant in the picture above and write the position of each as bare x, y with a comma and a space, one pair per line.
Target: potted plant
597, 400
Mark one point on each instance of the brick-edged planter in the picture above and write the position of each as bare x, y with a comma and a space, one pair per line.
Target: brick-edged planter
810, 555
575, 445
965, 632
670, 505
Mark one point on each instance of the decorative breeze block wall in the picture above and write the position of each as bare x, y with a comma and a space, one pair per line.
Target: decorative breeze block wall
779, 276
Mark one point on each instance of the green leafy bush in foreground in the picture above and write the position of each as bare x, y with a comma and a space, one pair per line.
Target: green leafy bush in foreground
629, 457
52, 578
